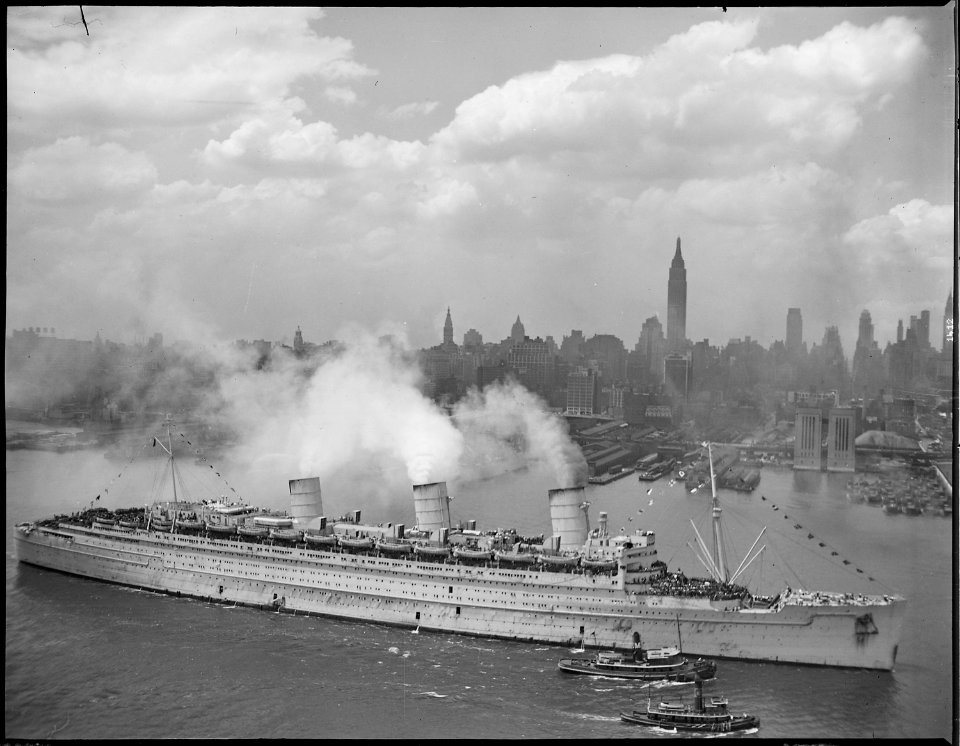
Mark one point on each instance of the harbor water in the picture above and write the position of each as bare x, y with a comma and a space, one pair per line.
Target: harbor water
90, 660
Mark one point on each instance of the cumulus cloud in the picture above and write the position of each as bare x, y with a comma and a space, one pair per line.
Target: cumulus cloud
281, 140
219, 163
913, 235
729, 104
199, 63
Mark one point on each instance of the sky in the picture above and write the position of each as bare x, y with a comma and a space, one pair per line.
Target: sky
224, 173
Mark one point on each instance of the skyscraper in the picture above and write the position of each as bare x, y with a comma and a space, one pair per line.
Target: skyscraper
866, 330
517, 332
651, 345
867, 361
448, 329
794, 343
677, 303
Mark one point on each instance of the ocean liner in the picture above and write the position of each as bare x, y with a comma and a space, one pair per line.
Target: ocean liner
579, 584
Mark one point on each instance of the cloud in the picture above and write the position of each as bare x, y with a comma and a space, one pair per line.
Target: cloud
74, 169
702, 102
280, 141
211, 164
199, 63
909, 245
912, 238
341, 95
411, 110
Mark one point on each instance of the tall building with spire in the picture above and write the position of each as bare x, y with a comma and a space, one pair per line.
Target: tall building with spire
448, 329
517, 333
298, 341
677, 303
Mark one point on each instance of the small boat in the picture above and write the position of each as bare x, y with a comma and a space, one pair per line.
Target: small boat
286, 534
360, 542
473, 555
395, 547
559, 561
108, 522
912, 506
599, 564
323, 541
656, 664
253, 532
216, 528
701, 717
427, 551
131, 524
184, 524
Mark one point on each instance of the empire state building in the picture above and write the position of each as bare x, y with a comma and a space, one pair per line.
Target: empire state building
677, 304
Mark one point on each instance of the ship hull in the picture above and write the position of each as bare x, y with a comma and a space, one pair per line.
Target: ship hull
510, 603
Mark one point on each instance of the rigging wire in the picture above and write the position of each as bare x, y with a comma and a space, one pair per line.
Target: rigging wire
123, 470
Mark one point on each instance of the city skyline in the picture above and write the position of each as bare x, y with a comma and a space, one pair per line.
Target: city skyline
451, 332
227, 173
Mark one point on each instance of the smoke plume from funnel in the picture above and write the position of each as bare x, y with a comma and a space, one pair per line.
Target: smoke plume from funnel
359, 405
508, 412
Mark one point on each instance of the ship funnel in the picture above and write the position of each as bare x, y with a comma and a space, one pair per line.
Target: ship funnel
432, 506
305, 503
569, 517
602, 523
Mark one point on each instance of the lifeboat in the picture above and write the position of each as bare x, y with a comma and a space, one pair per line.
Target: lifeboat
273, 521
320, 541
105, 522
189, 525
431, 552
473, 555
559, 561
130, 524
286, 534
360, 542
395, 547
599, 564
253, 532
221, 530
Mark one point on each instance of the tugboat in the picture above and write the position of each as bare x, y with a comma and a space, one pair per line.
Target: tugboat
709, 717
657, 664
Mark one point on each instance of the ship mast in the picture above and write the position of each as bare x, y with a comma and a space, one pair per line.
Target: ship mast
173, 475
719, 561
716, 562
